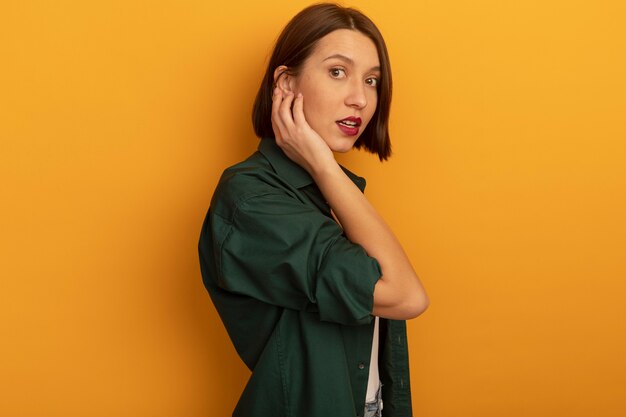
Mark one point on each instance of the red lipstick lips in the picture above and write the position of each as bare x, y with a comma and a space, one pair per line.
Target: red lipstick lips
349, 125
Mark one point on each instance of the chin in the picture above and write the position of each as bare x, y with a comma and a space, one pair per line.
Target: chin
341, 145
341, 149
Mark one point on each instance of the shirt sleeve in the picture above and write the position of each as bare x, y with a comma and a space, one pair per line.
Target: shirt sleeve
283, 252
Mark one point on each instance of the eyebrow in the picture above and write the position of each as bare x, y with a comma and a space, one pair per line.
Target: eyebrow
348, 60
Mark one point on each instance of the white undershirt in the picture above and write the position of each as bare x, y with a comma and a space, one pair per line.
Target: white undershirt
374, 380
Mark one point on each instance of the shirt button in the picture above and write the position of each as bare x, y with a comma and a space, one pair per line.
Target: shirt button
361, 365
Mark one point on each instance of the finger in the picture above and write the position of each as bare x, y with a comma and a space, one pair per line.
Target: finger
277, 135
285, 111
277, 98
298, 110
277, 123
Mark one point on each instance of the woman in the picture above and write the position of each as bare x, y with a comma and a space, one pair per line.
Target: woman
312, 286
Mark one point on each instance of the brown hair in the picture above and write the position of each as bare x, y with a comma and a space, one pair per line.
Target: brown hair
294, 45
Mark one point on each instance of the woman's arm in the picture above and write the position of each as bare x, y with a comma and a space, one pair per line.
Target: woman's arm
399, 293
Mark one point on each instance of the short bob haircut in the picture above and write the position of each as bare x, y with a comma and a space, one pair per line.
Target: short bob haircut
296, 43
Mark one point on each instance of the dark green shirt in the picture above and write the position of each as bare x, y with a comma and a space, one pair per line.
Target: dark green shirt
296, 296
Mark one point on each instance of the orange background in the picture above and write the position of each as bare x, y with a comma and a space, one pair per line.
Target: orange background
507, 189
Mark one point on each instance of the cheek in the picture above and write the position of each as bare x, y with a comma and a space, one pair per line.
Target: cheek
374, 103
318, 98
314, 107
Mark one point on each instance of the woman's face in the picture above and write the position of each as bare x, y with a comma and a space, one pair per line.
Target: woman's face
339, 84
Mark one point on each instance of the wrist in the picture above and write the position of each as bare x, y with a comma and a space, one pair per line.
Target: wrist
324, 170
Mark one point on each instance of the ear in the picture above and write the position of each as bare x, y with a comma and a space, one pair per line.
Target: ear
283, 79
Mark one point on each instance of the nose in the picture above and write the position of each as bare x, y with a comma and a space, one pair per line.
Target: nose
356, 96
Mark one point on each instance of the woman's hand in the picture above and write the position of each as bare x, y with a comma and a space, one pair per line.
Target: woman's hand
295, 136
398, 294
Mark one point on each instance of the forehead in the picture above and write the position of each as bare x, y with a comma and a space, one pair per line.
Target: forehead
350, 43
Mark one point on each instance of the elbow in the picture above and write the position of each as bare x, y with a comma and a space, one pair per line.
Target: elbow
415, 305
399, 303
409, 307
423, 305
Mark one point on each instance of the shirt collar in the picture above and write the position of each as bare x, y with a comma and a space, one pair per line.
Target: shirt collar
293, 173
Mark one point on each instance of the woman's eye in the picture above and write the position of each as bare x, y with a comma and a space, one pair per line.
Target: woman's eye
372, 81
337, 72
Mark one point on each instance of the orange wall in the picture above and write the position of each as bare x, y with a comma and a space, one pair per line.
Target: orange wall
507, 188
